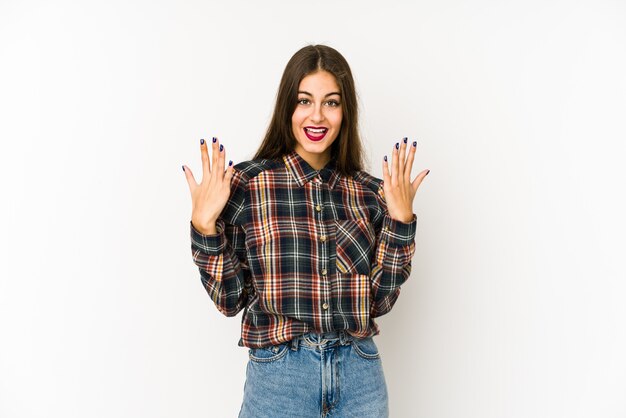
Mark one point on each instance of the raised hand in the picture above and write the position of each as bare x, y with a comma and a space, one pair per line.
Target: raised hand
210, 196
398, 188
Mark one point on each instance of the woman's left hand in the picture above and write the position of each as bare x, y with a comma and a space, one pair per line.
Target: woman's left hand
398, 188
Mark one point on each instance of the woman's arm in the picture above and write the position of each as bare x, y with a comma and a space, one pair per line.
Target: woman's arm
221, 259
217, 237
391, 266
395, 239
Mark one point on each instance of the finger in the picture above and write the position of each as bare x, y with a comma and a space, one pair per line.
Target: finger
219, 169
206, 168
386, 177
215, 150
409, 162
418, 180
191, 181
402, 160
394, 164
228, 174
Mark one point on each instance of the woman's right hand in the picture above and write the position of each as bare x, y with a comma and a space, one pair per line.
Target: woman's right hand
209, 198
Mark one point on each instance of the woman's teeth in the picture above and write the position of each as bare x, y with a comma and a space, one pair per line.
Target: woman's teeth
315, 134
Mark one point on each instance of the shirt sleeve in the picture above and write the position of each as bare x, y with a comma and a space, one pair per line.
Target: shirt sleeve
221, 258
391, 267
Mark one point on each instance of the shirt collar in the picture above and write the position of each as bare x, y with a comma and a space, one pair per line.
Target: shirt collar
302, 172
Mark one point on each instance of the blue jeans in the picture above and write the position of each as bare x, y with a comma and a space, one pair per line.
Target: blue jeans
316, 375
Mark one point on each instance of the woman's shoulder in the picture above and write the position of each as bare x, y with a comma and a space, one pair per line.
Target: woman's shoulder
251, 168
367, 180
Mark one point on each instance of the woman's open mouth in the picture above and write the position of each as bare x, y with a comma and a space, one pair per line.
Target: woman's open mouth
315, 134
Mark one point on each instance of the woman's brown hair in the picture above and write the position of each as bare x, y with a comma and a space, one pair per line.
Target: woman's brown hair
346, 149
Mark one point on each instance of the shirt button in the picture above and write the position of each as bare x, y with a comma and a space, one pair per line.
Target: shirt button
323, 238
324, 272
318, 208
325, 305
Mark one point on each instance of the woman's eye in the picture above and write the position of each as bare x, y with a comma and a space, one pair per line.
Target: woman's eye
332, 103
303, 101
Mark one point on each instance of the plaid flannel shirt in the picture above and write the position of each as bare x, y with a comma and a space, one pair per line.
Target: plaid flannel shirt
303, 250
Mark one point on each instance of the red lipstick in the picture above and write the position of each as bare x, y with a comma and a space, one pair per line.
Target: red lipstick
315, 133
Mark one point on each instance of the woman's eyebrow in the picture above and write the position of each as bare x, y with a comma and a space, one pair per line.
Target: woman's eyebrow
329, 94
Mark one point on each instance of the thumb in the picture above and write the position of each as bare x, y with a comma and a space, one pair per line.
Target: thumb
418, 180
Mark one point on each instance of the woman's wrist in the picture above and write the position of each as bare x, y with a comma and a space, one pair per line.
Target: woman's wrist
209, 229
404, 218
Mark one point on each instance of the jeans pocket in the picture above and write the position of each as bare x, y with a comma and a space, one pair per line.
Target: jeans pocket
366, 348
268, 354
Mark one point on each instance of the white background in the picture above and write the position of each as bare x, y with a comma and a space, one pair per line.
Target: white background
516, 304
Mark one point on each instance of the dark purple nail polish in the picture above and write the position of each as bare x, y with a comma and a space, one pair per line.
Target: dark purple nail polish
214, 139
427, 173
183, 168
221, 147
397, 145
414, 143
385, 158
201, 141
230, 163
405, 139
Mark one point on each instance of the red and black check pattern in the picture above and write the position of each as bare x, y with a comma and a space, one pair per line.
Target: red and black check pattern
303, 250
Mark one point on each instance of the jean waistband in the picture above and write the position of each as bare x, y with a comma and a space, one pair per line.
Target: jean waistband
322, 340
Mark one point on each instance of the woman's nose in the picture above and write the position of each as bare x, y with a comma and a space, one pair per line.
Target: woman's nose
316, 114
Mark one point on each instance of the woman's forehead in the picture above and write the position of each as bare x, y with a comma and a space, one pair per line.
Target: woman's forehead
320, 82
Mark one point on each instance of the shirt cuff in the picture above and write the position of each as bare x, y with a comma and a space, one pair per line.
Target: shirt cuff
398, 232
211, 244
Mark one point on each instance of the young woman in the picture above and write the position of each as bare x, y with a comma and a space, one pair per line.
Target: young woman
310, 246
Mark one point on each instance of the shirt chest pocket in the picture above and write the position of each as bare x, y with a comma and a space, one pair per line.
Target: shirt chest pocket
355, 240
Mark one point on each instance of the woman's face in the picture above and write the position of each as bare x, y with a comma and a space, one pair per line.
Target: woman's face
317, 119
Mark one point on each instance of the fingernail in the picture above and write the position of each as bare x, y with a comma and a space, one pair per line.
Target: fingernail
385, 158
414, 143
230, 163
427, 173
214, 139
221, 147
183, 168
201, 141
405, 139
397, 145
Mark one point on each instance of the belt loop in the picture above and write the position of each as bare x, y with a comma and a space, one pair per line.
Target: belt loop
343, 337
294, 343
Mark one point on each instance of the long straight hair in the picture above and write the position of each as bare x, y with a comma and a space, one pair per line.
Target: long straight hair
279, 139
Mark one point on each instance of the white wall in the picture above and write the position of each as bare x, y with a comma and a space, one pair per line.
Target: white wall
515, 307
